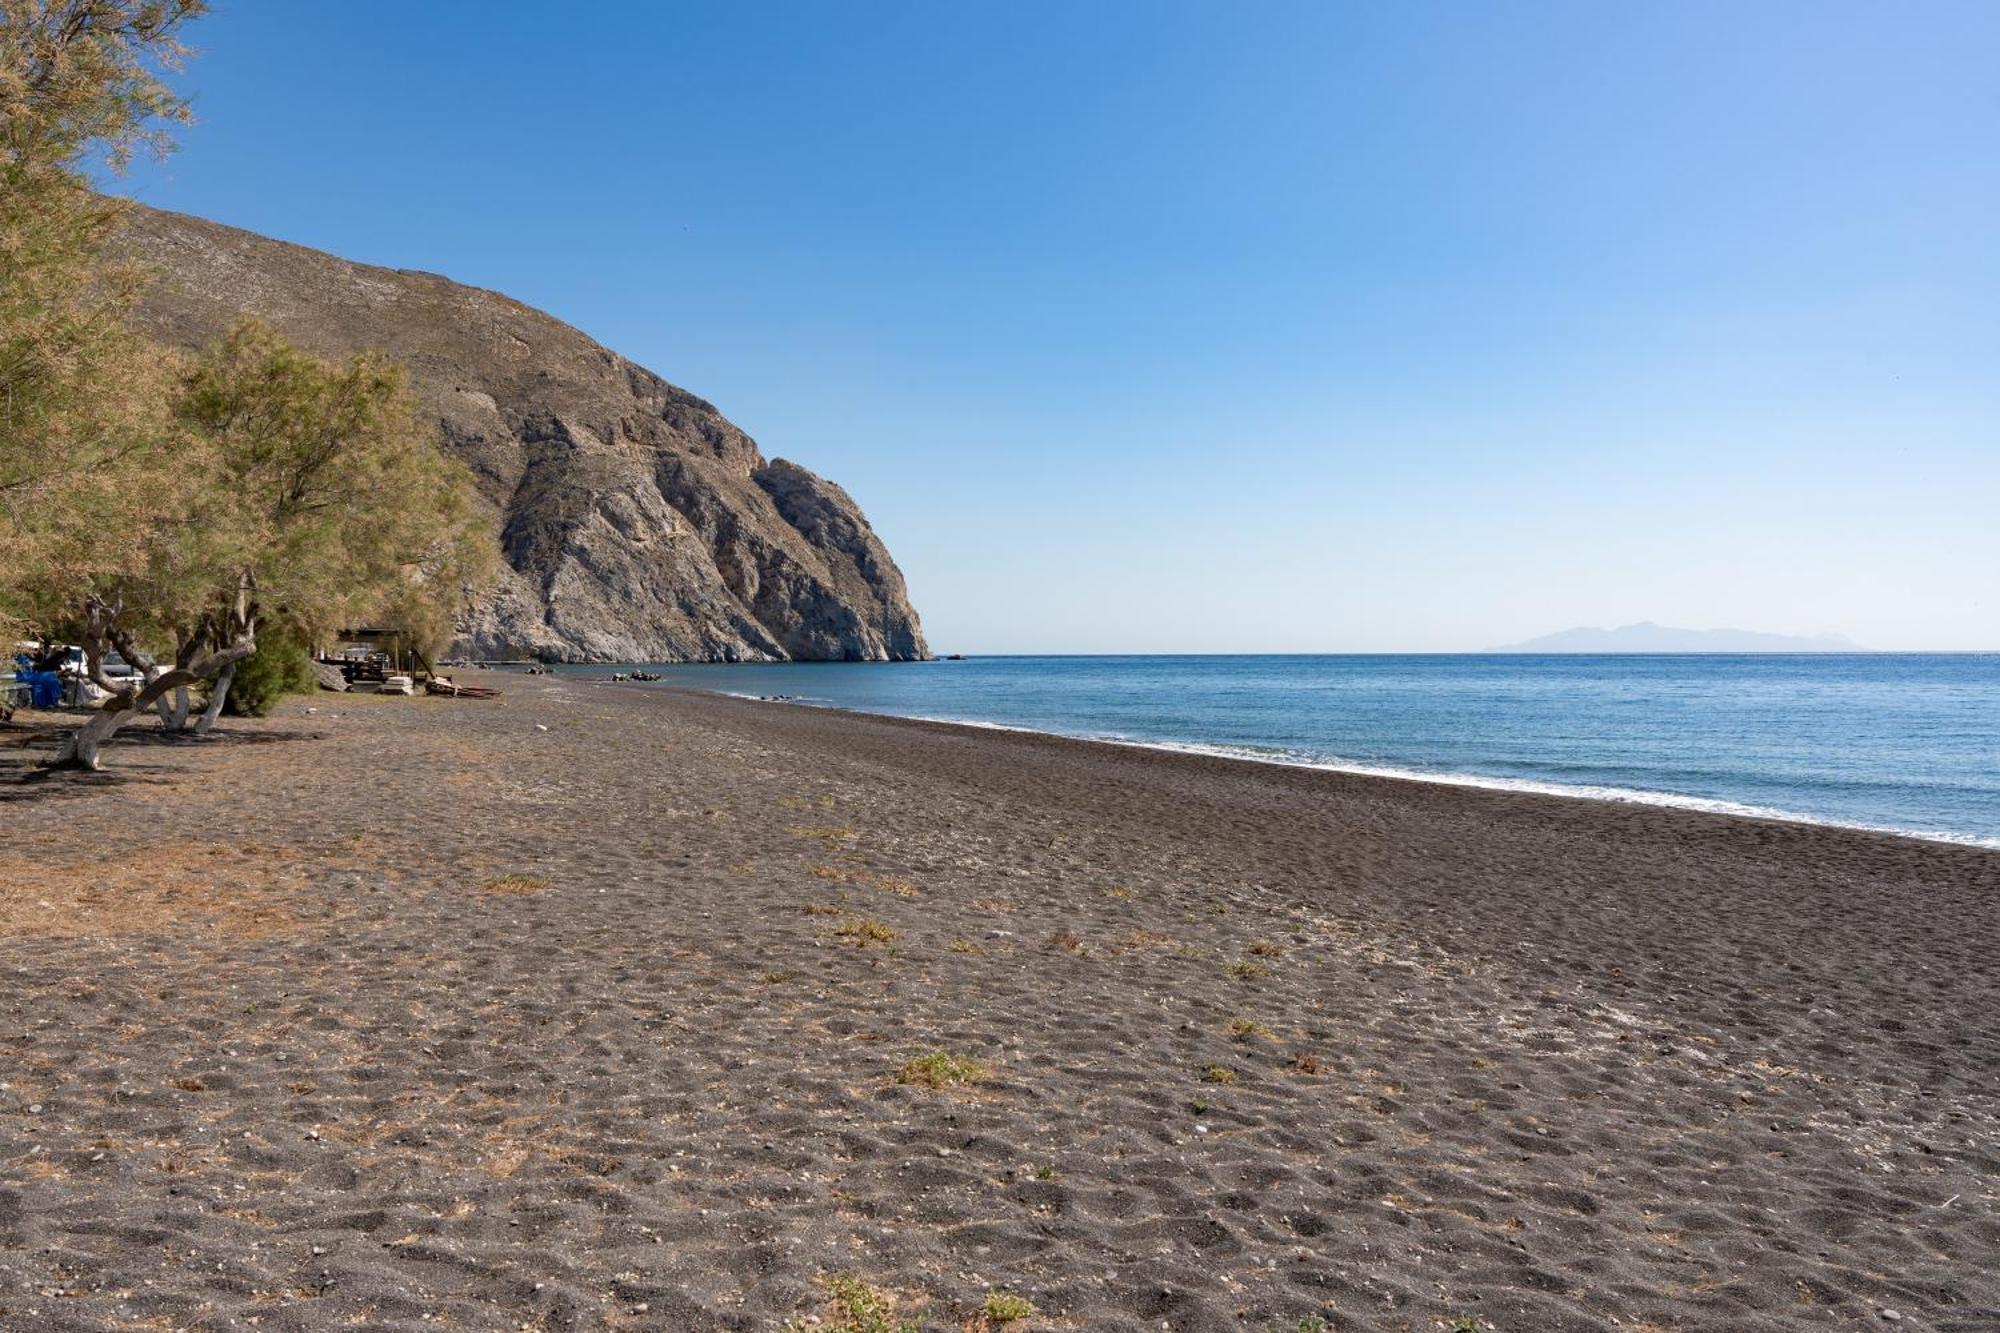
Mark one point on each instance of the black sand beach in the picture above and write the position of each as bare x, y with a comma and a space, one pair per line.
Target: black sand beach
406, 1014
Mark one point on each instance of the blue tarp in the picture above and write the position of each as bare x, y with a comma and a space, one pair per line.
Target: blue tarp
45, 688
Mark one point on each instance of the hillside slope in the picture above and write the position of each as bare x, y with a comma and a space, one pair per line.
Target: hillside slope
635, 522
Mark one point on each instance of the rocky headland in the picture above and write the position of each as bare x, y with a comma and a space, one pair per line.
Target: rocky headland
635, 522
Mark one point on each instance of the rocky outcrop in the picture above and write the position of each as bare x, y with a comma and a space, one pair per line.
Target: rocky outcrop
635, 522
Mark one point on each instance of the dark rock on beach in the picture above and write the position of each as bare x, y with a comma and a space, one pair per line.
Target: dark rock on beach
635, 522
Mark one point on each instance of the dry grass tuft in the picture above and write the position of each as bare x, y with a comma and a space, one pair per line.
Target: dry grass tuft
242, 891
514, 885
834, 836
865, 931
902, 888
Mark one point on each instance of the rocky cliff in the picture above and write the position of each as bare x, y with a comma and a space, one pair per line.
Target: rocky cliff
635, 522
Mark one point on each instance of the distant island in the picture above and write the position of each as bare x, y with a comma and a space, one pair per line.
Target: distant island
1647, 637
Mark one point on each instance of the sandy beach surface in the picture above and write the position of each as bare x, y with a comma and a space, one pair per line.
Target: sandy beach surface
408, 1014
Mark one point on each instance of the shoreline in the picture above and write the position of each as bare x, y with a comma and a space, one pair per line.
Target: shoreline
1479, 781
600, 1008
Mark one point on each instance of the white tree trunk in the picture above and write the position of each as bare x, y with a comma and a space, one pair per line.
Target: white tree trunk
217, 693
82, 749
174, 706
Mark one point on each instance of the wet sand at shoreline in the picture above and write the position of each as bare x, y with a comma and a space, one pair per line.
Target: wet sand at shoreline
404, 1011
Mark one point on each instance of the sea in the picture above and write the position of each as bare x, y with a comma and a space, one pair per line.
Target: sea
1904, 742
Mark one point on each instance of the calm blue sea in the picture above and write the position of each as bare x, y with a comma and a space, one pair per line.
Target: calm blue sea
1909, 742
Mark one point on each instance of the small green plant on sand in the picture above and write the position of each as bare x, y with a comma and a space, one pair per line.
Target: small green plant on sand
1466, 1323
1222, 1074
1244, 1029
1244, 970
856, 1308
1004, 1308
964, 946
865, 931
940, 1069
1047, 1173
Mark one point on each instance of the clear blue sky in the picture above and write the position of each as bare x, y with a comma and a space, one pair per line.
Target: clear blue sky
1233, 326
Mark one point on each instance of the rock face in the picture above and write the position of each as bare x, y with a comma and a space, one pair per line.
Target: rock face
635, 523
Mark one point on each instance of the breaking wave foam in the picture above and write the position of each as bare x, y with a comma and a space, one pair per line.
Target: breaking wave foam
1534, 786
1540, 787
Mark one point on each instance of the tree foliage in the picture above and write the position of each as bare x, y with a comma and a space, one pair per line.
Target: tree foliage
81, 76
154, 502
326, 491
85, 433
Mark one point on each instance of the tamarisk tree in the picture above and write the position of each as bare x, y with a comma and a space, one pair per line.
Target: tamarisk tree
323, 499
144, 500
